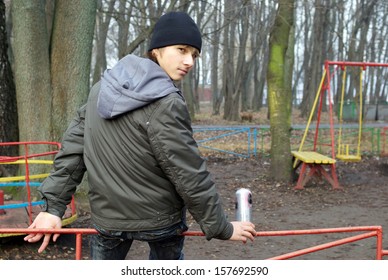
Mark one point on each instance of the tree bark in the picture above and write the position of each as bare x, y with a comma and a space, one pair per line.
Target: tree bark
103, 20
70, 60
8, 107
32, 69
279, 91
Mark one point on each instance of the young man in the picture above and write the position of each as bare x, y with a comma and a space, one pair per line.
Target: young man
135, 140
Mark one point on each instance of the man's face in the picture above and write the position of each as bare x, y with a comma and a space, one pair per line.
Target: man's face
176, 60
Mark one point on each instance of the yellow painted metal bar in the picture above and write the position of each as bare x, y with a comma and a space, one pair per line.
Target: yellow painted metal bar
33, 161
23, 178
311, 114
341, 110
342, 147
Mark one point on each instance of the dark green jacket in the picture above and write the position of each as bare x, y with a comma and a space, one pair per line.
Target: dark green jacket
135, 140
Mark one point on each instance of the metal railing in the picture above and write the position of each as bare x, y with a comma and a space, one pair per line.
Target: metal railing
247, 141
367, 232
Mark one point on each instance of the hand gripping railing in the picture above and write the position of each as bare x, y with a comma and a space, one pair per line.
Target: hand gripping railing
369, 231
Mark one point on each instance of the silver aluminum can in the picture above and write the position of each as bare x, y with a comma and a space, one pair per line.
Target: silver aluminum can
243, 205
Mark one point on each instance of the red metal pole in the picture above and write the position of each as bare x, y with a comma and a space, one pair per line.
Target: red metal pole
331, 117
379, 244
321, 98
72, 206
78, 246
28, 184
2, 211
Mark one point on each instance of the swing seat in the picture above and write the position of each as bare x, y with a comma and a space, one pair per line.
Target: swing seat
349, 158
345, 156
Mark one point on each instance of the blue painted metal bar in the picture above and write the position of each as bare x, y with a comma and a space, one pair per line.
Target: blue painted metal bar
19, 184
255, 142
21, 205
234, 131
220, 136
225, 151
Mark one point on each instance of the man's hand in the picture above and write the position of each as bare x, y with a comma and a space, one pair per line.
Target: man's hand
242, 231
44, 221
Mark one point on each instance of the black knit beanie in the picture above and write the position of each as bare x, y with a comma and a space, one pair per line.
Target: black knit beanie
175, 28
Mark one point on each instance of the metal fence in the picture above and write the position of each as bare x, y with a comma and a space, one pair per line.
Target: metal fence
251, 141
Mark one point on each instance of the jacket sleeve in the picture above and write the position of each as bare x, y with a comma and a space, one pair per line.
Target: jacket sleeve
178, 155
69, 168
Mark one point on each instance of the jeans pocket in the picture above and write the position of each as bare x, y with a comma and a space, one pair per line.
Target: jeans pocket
108, 239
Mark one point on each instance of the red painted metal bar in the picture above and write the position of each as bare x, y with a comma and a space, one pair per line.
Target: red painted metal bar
72, 206
318, 170
384, 140
2, 211
300, 183
27, 156
77, 231
14, 158
321, 98
319, 231
78, 246
325, 246
331, 117
30, 142
373, 231
28, 183
356, 63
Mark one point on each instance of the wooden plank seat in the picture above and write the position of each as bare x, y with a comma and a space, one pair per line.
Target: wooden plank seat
313, 157
317, 164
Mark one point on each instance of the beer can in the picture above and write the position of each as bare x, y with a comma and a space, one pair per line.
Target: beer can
243, 205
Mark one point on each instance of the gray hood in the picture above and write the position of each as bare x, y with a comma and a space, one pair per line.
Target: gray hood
132, 83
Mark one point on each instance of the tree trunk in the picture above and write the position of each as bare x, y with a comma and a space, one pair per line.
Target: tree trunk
71, 58
279, 91
187, 90
236, 66
314, 57
103, 20
217, 95
32, 69
123, 20
8, 107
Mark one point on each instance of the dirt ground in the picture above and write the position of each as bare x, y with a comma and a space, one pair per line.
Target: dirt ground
363, 201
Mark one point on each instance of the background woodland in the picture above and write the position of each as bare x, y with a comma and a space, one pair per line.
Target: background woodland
256, 53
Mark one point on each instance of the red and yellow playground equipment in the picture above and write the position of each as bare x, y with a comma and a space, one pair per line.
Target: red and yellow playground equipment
20, 214
314, 162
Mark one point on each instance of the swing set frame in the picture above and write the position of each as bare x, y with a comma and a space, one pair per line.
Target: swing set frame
313, 160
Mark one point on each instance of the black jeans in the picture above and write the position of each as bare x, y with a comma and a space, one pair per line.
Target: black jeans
165, 244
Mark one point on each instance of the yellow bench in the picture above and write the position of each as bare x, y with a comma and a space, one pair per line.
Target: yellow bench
315, 162
313, 157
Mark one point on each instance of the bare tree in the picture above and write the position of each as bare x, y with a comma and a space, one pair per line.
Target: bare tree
262, 23
103, 20
314, 56
237, 63
215, 39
